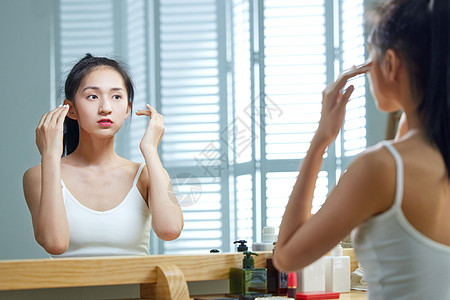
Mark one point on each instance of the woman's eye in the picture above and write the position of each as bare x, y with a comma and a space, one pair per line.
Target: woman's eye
92, 97
117, 97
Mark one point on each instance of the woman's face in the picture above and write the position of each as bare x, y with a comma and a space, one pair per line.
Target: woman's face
374, 75
101, 102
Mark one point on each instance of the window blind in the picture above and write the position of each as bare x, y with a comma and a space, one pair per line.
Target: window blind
194, 151
136, 38
243, 138
84, 27
354, 138
295, 74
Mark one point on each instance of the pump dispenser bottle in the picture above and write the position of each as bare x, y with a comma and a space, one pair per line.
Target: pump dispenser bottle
242, 245
248, 280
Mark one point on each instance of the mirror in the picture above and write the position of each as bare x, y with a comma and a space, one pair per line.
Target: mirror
30, 39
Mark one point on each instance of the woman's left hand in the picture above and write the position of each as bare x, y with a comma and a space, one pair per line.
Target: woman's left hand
154, 131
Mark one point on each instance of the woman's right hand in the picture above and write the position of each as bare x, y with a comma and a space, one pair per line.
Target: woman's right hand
50, 131
335, 98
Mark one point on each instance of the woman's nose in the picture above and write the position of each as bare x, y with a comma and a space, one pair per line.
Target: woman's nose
105, 107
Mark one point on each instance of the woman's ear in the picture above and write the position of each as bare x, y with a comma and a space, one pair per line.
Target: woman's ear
130, 105
392, 65
71, 114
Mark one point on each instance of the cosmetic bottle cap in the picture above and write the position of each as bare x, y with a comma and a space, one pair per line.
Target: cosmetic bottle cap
292, 280
269, 234
242, 245
249, 262
337, 251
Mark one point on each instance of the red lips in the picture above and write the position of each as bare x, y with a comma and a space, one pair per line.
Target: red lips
105, 122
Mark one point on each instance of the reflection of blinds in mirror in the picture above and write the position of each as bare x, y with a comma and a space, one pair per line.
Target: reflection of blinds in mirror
244, 208
352, 37
243, 135
295, 74
200, 198
189, 80
279, 188
84, 27
136, 45
192, 149
242, 81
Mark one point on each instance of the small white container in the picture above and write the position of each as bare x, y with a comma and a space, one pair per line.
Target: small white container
312, 277
337, 271
269, 236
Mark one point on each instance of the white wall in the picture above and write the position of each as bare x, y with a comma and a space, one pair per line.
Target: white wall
25, 40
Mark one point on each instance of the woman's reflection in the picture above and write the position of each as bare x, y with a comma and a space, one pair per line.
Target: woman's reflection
91, 201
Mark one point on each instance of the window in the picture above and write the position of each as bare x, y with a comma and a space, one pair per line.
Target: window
84, 27
239, 83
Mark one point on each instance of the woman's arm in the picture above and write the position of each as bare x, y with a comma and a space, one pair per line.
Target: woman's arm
304, 238
42, 185
167, 216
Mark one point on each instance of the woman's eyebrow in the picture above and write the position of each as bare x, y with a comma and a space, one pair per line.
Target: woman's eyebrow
117, 89
91, 88
97, 88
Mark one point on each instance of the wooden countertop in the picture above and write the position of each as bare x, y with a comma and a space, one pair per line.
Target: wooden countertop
171, 272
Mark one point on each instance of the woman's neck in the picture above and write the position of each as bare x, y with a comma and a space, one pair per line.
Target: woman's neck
94, 151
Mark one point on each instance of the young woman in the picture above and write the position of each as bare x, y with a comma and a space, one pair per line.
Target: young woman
91, 201
397, 193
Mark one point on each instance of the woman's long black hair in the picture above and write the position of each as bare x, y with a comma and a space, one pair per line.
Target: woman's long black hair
73, 81
419, 31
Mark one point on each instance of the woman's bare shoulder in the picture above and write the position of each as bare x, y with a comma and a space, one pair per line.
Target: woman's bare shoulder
31, 184
33, 174
371, 179
375, 159
130, 166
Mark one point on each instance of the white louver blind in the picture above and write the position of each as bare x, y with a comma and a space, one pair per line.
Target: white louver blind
295, 74
243, 138
193, 149
85, 27
136, 49
353, 53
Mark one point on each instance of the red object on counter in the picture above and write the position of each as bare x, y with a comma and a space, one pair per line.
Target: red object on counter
291, 284
317, 295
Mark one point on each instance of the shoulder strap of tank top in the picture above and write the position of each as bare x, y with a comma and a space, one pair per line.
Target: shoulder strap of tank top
399, 172
62, 184
136, 178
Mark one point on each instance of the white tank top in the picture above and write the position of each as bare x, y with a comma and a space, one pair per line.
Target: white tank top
122, 230
399, 261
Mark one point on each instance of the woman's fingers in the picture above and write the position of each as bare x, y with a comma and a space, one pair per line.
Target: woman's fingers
348, 92
350, 73
153, 111
49, 133
54, 115
142, 112
150, 111
61, 113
